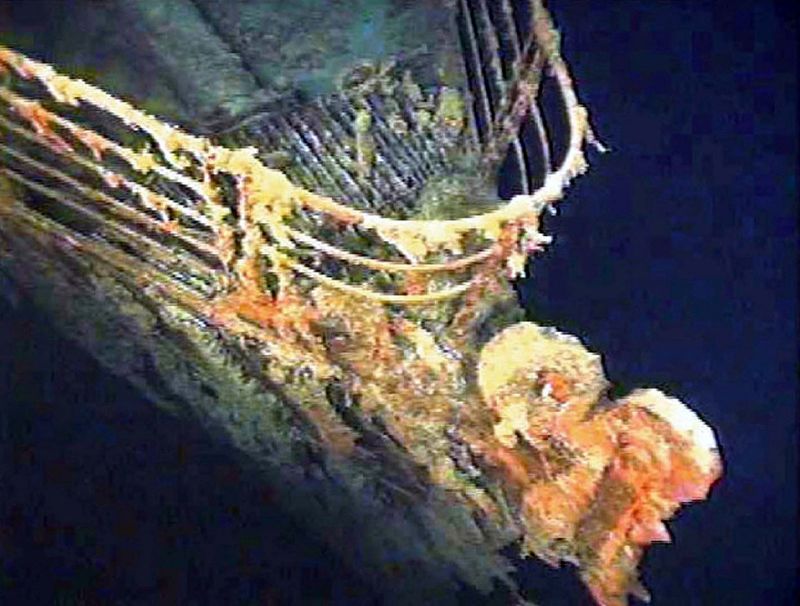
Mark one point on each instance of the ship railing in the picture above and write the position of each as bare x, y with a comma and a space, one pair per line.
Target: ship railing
214, 218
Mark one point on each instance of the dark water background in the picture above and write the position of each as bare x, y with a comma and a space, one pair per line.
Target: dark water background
675, 257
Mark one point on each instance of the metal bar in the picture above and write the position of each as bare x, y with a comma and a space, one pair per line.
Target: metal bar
480, 90
119, 150
62, 198
89, 192
440, 295
389, 265
104, 253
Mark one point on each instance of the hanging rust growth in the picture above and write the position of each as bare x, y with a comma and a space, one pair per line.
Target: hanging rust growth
410, 336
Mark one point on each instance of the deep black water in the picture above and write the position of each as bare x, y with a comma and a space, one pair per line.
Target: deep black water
675, 257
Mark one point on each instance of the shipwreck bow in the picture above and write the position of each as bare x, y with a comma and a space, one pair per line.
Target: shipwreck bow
324, 284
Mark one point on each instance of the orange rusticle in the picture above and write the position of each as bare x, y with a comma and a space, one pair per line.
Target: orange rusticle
287, 314
39, 119
593, 480
92, 141
554, 384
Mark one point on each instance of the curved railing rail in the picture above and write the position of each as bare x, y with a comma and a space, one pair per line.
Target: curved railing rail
223, 208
